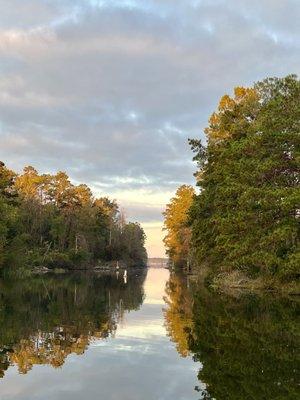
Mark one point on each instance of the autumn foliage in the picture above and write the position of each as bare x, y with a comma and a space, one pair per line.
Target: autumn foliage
178, 236
46, 220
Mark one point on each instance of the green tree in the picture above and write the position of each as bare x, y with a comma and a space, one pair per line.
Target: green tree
8, 210
47, 220
246, 216
133, 245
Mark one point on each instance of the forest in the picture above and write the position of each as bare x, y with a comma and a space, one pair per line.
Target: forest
240, 227
46, 221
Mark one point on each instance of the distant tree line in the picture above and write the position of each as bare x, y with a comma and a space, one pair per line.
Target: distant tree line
246, 216
45, 220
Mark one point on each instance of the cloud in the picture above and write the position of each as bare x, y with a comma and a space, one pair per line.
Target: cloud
110, 90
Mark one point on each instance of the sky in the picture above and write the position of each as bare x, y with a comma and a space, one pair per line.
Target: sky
110, 91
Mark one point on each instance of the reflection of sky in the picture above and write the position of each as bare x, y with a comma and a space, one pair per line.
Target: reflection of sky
154, 286
140, 363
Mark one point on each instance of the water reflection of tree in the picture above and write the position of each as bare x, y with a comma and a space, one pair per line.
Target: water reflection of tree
247, 345
43, 320
178, 313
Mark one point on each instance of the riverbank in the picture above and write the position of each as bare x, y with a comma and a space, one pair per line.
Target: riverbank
103, 268
236, 281
111, 266
227, 282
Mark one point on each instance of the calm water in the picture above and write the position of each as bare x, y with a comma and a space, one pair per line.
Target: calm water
152, 337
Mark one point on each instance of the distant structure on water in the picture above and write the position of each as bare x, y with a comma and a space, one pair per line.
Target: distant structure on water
158, 263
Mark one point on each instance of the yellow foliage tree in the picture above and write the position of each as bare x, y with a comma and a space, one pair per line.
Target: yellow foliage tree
178, 235
30, 185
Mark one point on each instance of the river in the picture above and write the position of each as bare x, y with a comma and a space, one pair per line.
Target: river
149, 336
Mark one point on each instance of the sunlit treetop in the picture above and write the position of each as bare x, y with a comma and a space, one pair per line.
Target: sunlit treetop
233, 114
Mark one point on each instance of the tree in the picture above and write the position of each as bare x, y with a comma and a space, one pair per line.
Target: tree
133, 244
47, 220
30, 184
234, 115
177, 240
246, 216
8, 211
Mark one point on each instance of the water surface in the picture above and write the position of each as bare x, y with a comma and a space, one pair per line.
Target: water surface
152, 336
92, 338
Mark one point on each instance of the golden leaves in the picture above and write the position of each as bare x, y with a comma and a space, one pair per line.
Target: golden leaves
232, 111
176, 215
